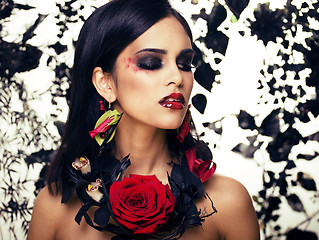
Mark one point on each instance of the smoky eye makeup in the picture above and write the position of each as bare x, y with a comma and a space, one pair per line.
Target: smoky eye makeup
152, 59
149, 62
185, 63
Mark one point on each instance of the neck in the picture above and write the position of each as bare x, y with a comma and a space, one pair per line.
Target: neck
147, 147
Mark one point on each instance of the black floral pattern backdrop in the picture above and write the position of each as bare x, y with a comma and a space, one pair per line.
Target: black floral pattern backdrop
255, 101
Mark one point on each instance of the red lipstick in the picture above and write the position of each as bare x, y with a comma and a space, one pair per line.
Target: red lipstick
174, 101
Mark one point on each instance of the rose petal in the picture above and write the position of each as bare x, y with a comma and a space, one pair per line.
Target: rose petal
208, 173
141, 203
184, 128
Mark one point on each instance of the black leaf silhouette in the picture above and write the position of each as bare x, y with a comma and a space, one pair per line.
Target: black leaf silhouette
307, 157
270, 125
247, 150
246, 121
290, 165
216, 40
296, 234
237, 6
268, 24
59, 48
289, 117
30, 32
306, 181
6, 7
217, 16
295, 203
216, 126
205, 76
282, 183
280, 147
309, 106
14, 59
43, 156
199, 101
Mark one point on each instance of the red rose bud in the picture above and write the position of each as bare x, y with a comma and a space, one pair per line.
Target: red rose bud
142, 204
202, 169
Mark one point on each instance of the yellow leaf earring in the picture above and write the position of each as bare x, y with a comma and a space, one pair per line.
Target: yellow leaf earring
105, 126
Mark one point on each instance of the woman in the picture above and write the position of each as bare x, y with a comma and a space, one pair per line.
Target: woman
133, 66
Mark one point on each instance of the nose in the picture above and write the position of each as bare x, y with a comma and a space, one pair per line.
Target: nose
174, 76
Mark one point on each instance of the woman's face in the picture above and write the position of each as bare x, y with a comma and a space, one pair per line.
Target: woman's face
153, 76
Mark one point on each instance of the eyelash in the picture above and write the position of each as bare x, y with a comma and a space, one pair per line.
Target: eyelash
156, 64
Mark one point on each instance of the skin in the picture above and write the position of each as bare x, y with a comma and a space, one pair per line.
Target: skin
137, 92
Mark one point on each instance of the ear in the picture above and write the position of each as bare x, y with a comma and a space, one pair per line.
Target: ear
104, 84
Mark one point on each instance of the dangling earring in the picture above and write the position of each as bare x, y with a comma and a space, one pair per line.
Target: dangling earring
105, 126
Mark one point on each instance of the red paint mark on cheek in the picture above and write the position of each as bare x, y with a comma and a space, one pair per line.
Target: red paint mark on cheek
131, 63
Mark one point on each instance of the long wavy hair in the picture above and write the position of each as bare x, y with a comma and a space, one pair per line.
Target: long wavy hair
103, 37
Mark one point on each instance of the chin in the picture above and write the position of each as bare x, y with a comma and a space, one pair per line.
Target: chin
171, 123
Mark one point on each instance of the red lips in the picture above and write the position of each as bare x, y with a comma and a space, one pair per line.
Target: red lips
174, 101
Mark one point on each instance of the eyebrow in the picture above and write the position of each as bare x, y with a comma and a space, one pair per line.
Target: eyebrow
163, 51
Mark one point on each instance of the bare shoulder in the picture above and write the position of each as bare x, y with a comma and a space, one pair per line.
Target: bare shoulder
46, 211
228, 190
236, 217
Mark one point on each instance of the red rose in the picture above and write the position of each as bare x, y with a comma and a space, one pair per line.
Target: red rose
141, 203
202, 169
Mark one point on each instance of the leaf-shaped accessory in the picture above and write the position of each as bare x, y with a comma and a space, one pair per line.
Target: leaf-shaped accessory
103, 130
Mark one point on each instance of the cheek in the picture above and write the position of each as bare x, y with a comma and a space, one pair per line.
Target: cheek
133, 86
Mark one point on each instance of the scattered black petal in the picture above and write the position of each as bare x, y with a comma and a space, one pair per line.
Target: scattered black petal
14, 58
6, 7
314, 137
205, 76
246, 121
202, 14
213, 126
43, 156
296, 234
199, 101
290, 165
289, 117
295, 203
217, 60
273, 204
282, 183
242, 33
280, 147
307, 157
237, 6
217, 41
306, 181
217, 16
247, 151
22, 7
59, 48
30, 32
268, 24
270, 125
309, 106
